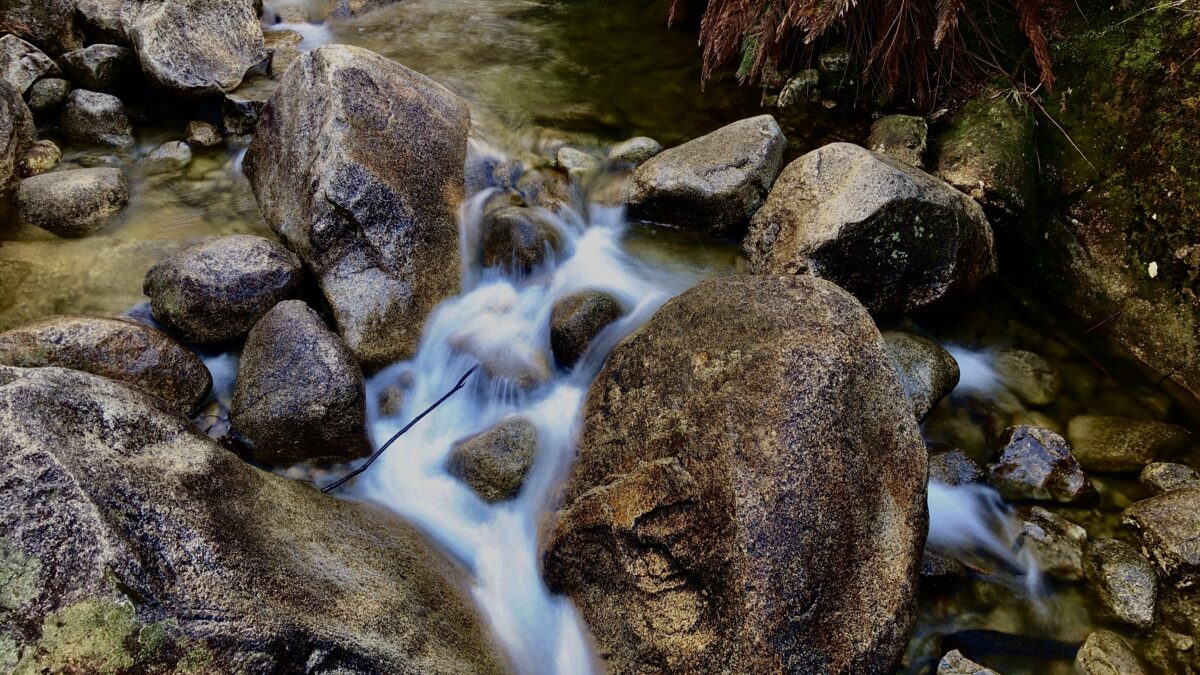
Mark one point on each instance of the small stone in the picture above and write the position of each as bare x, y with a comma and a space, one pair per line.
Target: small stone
92, 118
46, 96
1166, 528
1121, 444
517, 238
569, 159
283, 46
202, 134
40, 158
495, 462
927, 371
1028, 375
22, 64
172, 156
1055, 543
954, 663
1105, 653
938, 568
1160, 477
805, 87
952, 466
1123, 580
1036, 463
104, 68
576, 320
834, 67
73, 203
241, 106
635, 150
901, 137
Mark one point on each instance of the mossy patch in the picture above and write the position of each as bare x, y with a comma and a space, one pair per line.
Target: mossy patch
19, 575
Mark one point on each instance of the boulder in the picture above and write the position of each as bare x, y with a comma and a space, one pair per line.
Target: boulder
73, 203
47, 95
41, 157
901, 137
927, 371
1120, 444
284, 47
1055, 543
219, 288
195, 47
576, 320
1166, 528
104, 68
714, 183
898, 239
634, 151
952, 466
141, 546
518, 239
1123, 580
954, 663
202, 134
16, 132
170, 157
91, 118
299, 395
49, 24
1160, 477
495, 462
1105, 653
102, 21
1028, 375
120, 350
1036, 463
718, 517
21, 64
357, 164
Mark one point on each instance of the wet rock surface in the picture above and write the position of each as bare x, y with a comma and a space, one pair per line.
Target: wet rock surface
1160, 477
1028, 375
927, 371
73, 203
41, 157
219, 288
1104, 443
576, 320
120, 350
299, 394
47, 96
149, 521
1036, 463
1123, 580
717, 518
357, 164
1056, 543
1166, 527
517, 238
634, 151
711, 184
91, 118
952, 466
898, 239
495, 462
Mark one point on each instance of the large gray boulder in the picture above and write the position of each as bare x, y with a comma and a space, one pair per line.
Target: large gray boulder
195, 47
299, 395
92, 118
73, 203
16, 132
120, 350
898, 239
132, 543
49, 24
21, 64
217, 289
713, 183
718, 517
357, 164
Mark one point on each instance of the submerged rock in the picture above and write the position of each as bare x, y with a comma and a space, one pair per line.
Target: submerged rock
46, 96
73, 203
1166, 528
954, 663
170, 157
713, 183
494, 463
901, 137
516, 238
898, 239
195, 47
576, 320
1036, 463
1055, 543
41, 157
21, 64
357, 164
49, 24
1121, 444
634, 151
120, 350
1123, 580
1160, 477
718, 518
219, 288
104, 68
92, 118
927, 371
1028, 375
202, 134
16, 132
142, 546
1105, 653
299, 395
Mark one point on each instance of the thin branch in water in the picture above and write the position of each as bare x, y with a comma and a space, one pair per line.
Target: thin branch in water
375, 455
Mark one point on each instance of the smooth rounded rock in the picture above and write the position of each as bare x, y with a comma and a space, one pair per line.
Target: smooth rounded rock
1123, 580
41, 157
46, 96
219, 288
202, 134
91, 118
634, 151
1160, 477
73, 203
170, 157
576, 320
518, 239
1124, 445
495, 462
901, 137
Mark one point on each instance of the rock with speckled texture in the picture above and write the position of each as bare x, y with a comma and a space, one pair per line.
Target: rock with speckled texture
927, 371
16, 132
1123, 580
73, 203
1105, 653
495, 462
21, 64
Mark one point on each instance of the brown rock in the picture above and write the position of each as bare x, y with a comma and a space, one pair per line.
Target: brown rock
576, 320
494, 463
1123, 580
1036, 463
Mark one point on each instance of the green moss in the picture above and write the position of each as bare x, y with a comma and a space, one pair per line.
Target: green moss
90, 635
19, 577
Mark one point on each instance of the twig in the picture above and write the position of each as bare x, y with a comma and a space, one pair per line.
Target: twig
375, 455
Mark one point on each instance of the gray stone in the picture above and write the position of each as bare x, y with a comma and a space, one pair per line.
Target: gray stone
283, 45
1055, 543
202, 134
1160, 477
634, 151
21, 64
49, 24
170, 157
219, 288
954, 663
901, 137
120, 350
91, 118
1105, 653
16, 132
718, 517
898, 239
516, 238
358, 165
102, 20
714, 183
805, 87
927, 371
495, 462
1123, 580
1036, 463
46, 96
195, 47
41, 157
576, 320
73, 203
1121, 444
570, 159
1166, 528
104, 68
952, 466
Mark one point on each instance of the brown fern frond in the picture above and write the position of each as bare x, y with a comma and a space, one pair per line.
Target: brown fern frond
947, 20
1030, 21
